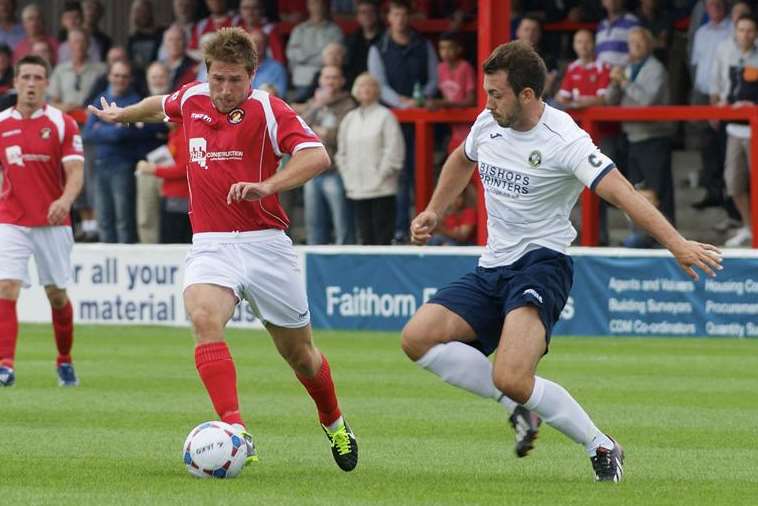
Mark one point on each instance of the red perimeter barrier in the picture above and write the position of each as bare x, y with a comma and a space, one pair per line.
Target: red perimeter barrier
588, 119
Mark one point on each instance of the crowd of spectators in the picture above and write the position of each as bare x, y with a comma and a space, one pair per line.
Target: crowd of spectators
343, 65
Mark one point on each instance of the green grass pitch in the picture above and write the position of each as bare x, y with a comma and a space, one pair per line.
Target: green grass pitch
685, 409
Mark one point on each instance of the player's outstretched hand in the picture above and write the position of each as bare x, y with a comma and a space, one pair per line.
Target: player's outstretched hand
58, 211
422, 227
705, 257
110, 113
248, 191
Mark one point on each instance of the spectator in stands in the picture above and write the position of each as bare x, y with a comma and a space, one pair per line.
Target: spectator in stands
403, 62
148, 183
458, 226
34, 27
457, 83
72, 18
654, 16
332, 55
11, 31
326, 206
530, 30
219, 17
71, 82
584, 85
742, 68
370, 154
586, 79
117, 151
369, 31
613, 33
305, 45
253, 17
182, 68
644, 82
116, 53
42, 48
705, 44
184, 18
144, 37
6, 69
174, 190
92, 11
269, 73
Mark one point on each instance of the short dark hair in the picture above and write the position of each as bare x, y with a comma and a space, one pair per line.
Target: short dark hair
6, 49
32, 59
452, 37
521, 62
401, 4
72, 5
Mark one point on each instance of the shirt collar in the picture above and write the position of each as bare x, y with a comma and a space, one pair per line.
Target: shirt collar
36, 114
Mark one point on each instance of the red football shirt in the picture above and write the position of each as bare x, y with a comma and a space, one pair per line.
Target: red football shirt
243, 145
32, 152
582, 80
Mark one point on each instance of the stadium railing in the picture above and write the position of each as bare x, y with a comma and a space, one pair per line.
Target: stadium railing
589, 119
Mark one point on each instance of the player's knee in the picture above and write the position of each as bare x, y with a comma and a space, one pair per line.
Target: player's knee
58, 298
206, 325
513, 384
413, 341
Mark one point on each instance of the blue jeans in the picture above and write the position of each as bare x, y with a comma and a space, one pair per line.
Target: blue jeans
327, 209
115, 201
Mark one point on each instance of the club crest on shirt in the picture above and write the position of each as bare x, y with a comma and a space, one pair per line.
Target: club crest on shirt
235, 116
45, 133
535, 158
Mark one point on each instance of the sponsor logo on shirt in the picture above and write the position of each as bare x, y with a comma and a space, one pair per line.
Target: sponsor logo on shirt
502, 181
14, 156
495, 136
45, 133
202, 117
235, 116
77, 141
15, 131
198, 148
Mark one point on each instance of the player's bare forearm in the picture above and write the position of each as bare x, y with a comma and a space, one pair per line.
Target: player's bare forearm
303, 166
455, 175
148, 110
74, 170
617, 190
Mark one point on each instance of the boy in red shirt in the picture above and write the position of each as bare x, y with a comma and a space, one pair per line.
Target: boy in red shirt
456, 83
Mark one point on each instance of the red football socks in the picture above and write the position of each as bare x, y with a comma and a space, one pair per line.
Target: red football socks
321, 389
216, 368
8, 331
63, 327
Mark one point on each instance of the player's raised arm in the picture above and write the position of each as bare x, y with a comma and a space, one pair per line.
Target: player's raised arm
148, 110
618, 191
455, 175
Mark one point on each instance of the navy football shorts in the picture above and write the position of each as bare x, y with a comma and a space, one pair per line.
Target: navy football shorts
483, 298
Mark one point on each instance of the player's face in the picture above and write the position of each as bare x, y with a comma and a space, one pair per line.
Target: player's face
31, 85
502, 103
229, 85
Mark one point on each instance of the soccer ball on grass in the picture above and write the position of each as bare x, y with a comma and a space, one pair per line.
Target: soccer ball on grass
214, 450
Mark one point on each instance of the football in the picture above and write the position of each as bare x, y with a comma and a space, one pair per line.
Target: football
214, 450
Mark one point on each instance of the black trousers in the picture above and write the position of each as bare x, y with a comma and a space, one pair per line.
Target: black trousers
650, 167
375, 220
175, 227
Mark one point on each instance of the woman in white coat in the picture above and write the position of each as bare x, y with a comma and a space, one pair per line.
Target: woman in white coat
370, 155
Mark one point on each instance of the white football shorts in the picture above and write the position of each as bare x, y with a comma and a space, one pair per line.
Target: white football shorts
260, 266
50, 246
